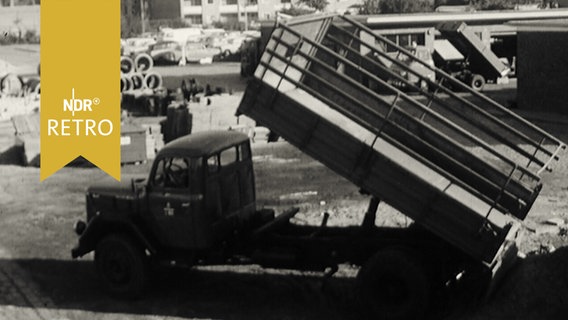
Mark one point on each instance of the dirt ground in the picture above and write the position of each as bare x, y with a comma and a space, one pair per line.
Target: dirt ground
36, 221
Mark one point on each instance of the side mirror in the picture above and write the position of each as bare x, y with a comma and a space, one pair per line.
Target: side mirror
138, 186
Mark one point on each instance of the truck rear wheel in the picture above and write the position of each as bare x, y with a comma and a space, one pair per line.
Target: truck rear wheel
122, 266
477, 82
393, 285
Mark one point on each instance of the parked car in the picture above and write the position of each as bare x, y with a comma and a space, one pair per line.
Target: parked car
180, 35
213, 41
214, 32
231, 46
134, 46
166, 53
228, 46
198, 52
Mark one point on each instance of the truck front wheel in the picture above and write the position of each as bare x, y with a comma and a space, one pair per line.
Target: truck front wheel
121, 265
393, 285
477, 82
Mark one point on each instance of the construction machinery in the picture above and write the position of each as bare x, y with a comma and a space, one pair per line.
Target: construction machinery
479, 64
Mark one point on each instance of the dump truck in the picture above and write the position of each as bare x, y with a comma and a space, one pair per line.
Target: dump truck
422, 53
466, 177
480, 65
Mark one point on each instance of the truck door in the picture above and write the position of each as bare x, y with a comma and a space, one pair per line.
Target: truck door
173, 197
224, 192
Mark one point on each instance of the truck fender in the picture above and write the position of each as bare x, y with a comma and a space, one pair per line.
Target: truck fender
99, 227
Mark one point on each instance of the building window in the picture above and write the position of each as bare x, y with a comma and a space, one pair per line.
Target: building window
192, 3
210, 1
193, 19
389, 48
229, 18
405, 40
229, 2
285, 1
16, 3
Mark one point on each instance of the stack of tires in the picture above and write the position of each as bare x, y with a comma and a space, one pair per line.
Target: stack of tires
141, 87
137, 73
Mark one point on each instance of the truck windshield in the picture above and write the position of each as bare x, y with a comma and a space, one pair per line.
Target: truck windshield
178, 173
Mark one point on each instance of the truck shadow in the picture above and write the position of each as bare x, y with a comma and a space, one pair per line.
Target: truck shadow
537, 287
239, 293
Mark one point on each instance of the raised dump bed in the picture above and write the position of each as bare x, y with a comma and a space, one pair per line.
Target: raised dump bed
469, 44
456, 168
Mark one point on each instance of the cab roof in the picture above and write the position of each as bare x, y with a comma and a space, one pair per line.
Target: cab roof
203, 143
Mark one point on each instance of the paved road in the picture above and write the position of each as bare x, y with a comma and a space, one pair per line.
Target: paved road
19, 296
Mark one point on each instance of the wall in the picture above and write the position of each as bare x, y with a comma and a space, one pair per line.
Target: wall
28, 17
211, 11
542, 71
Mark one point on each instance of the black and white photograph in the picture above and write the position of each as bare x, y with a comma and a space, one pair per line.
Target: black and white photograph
298, 159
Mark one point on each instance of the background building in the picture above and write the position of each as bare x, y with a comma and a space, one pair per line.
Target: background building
18, 17
208, 12
17, 3
132, 13
542, 67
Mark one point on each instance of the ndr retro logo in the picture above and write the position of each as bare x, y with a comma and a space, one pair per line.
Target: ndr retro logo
83, 126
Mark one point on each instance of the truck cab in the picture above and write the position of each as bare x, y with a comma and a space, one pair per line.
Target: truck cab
199, 195
206, 182
423, 54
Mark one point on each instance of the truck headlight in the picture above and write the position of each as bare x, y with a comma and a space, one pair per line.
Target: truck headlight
79, 227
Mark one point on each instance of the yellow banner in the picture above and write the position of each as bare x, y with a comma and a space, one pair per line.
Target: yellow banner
80, 77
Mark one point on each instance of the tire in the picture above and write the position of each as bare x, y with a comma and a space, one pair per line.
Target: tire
126, 65
125, 84
137, 81
153, 80
477, 82
122, 266
143, 63
393, 285
11, 85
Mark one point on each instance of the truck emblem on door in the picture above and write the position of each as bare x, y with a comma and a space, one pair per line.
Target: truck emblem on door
169, 211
